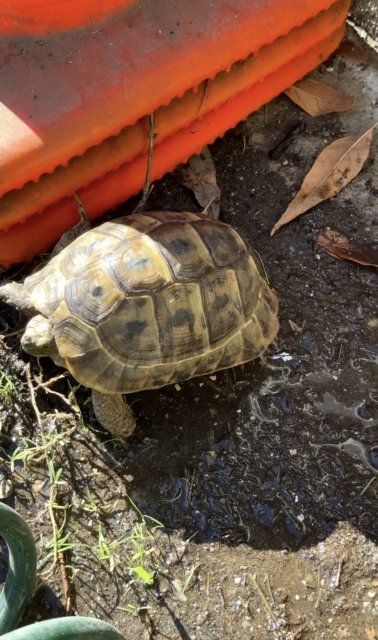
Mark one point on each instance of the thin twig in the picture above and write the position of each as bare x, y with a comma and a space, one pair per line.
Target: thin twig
204, 96
339, 569
269, 589
57, 556
32, 396
205, 210
263, 598
317, 603
146, 188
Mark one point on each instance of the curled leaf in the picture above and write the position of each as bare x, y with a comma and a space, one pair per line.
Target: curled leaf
338, 246
334, 168
317, 98
348, 49
199, 175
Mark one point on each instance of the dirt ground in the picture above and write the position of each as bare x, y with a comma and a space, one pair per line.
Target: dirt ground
228, 513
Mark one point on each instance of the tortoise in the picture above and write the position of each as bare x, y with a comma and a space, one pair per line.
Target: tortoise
144, 301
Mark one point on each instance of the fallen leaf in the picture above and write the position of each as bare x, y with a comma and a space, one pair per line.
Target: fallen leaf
199, 175
371, 635
317, 98
335, 167
296, 327
348, 49
338, 246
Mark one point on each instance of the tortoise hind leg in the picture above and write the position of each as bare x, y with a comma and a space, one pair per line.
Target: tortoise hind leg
113, 413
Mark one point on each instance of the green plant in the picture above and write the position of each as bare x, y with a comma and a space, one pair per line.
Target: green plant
19, 585
37, 451
106, 550
7, 388
141, 550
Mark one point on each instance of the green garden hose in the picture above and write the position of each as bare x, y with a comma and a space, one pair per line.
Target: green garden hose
73, 628
18, 589
22, 567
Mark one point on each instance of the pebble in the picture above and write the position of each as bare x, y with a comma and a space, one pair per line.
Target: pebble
6, 487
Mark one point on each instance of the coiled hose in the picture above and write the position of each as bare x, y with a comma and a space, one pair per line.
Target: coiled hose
18, 589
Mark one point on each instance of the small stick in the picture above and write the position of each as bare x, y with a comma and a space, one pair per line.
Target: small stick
222, 597
205, 210
46, 387
264, 600
81, 211
32, 396
146, 188
298, 633
208, 584
269, 589
339, 569
317, 603
204, 96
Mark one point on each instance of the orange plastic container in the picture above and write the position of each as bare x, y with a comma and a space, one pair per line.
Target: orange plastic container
87, 127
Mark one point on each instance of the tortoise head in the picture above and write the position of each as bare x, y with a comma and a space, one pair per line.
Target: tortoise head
38, 338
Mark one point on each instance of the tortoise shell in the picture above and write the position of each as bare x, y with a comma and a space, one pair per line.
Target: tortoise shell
150, 299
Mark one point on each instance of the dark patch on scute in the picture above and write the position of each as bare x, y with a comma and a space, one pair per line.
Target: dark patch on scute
222, 241
180, 247
97, 291
134, 328
182, 316
140, 302
221, 302
138, 262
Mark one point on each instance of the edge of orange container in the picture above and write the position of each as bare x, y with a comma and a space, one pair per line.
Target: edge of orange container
41, 17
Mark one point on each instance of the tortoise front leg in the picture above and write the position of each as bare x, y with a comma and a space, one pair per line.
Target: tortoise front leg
113, 413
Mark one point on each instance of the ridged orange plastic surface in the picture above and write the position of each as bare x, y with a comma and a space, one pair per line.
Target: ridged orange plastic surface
287, 41
36, 17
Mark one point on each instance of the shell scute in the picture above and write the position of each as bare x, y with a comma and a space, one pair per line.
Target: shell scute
182, 322
183, 250
223, 305
46, 289
92, 296
139, 267
75, 338
132, 334
129, 227
223, 243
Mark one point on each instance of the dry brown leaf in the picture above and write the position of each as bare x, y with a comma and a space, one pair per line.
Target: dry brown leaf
317, 98
334, 168
348, 49
371, 634
338, 246
199, 175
